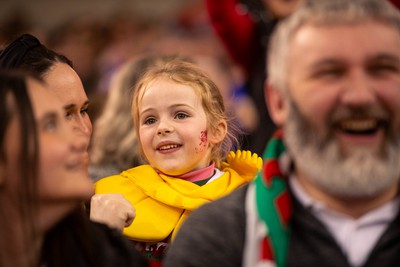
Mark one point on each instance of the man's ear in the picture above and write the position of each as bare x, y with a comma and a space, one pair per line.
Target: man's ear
276, 103
219, 134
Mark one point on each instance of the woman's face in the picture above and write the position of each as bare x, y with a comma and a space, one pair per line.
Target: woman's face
63, 182
66, 85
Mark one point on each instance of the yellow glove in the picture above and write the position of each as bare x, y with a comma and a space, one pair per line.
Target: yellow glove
243, 162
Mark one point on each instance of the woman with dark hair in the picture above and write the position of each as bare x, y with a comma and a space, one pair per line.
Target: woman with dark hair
28, 54
43, 182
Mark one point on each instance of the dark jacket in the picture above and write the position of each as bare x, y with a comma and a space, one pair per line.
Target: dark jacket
214, 235
90, 245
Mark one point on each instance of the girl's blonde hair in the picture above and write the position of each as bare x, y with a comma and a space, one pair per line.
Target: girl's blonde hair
187, 73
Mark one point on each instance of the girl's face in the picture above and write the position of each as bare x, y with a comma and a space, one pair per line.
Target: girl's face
66, 85
173, 128
62, 181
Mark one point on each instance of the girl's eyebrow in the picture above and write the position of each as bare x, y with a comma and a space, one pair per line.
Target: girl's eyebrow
181, 105
172, 106
146, 110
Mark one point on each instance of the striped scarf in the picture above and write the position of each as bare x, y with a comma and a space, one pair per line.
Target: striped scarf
273, 204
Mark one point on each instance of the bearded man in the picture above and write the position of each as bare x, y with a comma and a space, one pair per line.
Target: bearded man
328, 194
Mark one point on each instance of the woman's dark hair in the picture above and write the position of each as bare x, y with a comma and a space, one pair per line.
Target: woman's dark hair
28, 54
15, 101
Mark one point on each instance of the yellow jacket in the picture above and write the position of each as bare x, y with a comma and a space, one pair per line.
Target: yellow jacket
162, 203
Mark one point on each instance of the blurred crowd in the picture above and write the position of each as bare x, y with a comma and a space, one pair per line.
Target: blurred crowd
98, 47
227, 38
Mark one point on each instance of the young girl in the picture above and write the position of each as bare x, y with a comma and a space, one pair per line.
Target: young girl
180, 120
114, 146
43, 183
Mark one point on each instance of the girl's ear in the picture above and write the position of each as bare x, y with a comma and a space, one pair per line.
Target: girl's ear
219, 134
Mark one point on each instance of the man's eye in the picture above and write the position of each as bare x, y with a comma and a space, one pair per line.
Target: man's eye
327, 73
382, 69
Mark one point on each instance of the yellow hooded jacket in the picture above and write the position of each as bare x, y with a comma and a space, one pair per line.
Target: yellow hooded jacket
162, 203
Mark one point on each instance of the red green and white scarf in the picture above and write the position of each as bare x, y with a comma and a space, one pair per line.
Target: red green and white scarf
268, 211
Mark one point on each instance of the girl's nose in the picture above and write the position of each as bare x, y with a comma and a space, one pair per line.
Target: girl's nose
164, 128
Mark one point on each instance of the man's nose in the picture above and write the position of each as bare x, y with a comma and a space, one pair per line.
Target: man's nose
359, 90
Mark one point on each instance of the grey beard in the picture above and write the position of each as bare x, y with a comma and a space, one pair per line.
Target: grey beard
363, 173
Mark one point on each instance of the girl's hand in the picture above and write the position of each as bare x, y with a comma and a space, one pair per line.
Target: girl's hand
113, 210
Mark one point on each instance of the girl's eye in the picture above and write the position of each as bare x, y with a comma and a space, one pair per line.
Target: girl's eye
181, 116
149, 121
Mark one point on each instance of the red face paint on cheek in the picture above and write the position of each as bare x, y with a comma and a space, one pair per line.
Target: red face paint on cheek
203, 142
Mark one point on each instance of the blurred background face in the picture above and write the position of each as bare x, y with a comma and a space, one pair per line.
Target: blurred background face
281, 8
66, 85
63, 182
